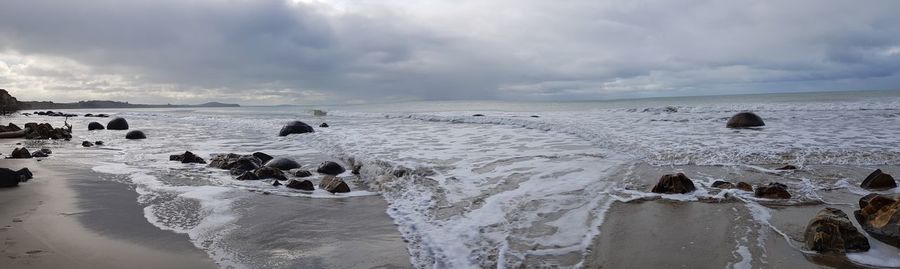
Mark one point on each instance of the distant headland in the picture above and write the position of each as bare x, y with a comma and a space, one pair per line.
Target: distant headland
10, 102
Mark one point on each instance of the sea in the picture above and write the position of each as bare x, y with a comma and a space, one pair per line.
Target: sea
491, 184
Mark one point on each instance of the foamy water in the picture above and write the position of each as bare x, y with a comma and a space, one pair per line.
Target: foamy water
505, 189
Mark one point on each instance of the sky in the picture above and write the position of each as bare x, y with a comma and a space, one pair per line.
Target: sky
271, 52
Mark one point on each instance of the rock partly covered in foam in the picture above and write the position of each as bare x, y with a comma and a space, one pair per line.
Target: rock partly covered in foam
774, 190
11, 178
831, 231
879, 181
187, 157
295, 127
677, 183
117, 124
330, 168
744, 120
333, 184
283, 164
879, 215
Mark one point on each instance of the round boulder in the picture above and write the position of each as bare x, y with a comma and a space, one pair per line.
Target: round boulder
677, 183
831, 231
295, 127
330, 168
744, 120
117, 124
135, 135
95, 126
283, 164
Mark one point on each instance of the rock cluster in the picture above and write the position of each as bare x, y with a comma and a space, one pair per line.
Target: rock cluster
45, 131
55, 114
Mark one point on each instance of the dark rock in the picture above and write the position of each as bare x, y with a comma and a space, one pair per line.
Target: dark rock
11, 178
744, 186
135, 135
295, 127
535, 116
774, 190
10, 128
95, 126
878, 181
879, 215
787, 167
831, 231
117, 124
20, 153
678, 183
45, 131
330, 168
302, 173
263, 158
478, 115
247, 175
333, 184
87, 144
744, 119
305, 185
400, 171
46, 151
234, 161
276, 183
38, 154
283, 164
98, 143
187, 157
722, 185
323, 125
88, 115
269, 172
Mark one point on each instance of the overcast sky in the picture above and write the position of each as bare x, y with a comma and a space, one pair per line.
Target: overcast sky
322, 51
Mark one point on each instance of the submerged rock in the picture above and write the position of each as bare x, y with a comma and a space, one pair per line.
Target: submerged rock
187, 157
744, 119
283, 164
295, 127
20, 153
330, 168
333, 184
879, 215
305, 185
477, 115
95, 126
117, 124
135, 135
878, 181
269, 172
677, 183
774, 190
831, 231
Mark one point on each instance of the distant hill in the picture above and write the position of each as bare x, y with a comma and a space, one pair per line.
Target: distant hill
108, 104
8, 104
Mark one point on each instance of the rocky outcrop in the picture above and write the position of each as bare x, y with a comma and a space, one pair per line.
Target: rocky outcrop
879, 215
269, 172
95, 126
8, 103
333, 184
831, 231
677, 183
283, 164
879, 181
45, 131
11, 178
135, 135
305, 185
295, 127
744, 120
117, 124
330, 168
774, 190
187, 157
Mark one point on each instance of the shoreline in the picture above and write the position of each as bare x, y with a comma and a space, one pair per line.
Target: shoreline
48, 222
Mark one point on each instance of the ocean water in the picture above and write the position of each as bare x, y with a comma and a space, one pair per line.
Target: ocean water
525, 184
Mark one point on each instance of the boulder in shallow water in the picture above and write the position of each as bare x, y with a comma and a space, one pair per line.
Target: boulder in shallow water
87, 144
20, 153
295, 127
879, 181
269, 172
135, 135
38, 154
330, 168
477, 115
744, 120
879, 215
323, 125
301, 173
283, 164
774, 190
95, 126
187, 157
276, 183
45, 131
234, 161
333, 184
46, 151
677, 183
831, 231
98, 143
117, 124
263, 158
247, 175
305, 185
787, 167
722, 185
744, 186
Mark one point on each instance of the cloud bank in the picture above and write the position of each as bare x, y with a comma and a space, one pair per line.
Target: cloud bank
311, 51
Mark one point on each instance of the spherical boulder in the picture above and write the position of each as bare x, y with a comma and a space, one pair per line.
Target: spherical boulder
117, 124
135, 135
330, 168
744, 120
831, 231
283, 164
295, 127
95, 126
677, 183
